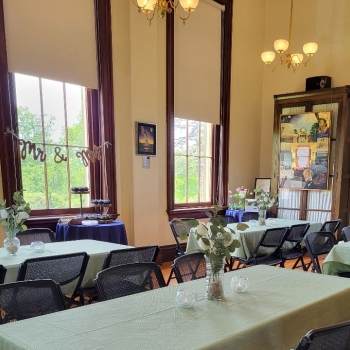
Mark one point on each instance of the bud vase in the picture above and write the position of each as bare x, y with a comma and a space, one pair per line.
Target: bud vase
262, 217
215, 279
12, 243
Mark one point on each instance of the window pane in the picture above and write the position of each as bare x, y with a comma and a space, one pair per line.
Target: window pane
192, 149
180, 179
55, 117
193, 180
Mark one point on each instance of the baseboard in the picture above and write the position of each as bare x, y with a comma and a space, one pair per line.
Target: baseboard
167, 252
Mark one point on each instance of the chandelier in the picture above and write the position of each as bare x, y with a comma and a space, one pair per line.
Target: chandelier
283, 48
150, 7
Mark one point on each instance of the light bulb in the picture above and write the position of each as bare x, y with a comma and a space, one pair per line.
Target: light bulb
281, 45
297, 58
268, 57
310, 49
189, 5
147, 5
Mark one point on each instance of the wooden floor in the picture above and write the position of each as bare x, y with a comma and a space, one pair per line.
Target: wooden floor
166, 268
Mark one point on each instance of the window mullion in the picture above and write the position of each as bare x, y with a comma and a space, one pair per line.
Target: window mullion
44, 141
67, 142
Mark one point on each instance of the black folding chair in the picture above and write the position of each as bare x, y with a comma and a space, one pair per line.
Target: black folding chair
3, 271
330, 226
122, 280
296, 235
272, 238
177, 227
345, 233
63, 269
319, 243
26, 299
36, 234
189, 267
229, 219
131, 255
335, 337
250, 215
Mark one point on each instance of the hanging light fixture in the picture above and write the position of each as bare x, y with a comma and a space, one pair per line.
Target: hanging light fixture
150, 7
283, 48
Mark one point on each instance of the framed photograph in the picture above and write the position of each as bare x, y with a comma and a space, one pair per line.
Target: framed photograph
263, 184
304, 150
146, 139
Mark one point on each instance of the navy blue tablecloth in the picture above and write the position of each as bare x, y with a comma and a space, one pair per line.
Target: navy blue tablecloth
114, 232
237, 214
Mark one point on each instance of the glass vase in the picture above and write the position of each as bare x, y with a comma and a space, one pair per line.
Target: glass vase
262, 217
214, 289
11, 244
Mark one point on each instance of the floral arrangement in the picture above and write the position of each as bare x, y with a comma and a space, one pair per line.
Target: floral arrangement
264, 200
240, 195
12, 218
216, 242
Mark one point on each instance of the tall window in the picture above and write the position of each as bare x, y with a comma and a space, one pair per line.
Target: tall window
52, 115
193, 161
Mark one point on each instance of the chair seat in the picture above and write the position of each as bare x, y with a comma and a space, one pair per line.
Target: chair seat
292, 255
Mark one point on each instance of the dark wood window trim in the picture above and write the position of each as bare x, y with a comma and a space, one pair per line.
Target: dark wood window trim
100, 104
222, 132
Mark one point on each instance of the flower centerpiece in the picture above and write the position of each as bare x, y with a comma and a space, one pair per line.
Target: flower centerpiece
263, 200
12, 220
241, 193
216, 242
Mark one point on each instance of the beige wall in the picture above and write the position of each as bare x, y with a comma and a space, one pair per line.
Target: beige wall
139, 89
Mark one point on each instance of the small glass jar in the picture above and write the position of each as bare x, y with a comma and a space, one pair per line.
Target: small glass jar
37, 246
185, 298
239, 284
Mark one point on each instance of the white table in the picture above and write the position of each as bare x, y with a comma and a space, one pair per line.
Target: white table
337, 260
96, 249
251, 236
280, 306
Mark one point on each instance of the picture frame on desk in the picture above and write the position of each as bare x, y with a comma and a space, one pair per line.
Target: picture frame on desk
146, 139
263, 184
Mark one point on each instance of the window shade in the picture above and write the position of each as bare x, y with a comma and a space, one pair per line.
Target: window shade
53, 39
197, 63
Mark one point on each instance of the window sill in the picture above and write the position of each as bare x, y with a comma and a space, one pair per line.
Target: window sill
196, 213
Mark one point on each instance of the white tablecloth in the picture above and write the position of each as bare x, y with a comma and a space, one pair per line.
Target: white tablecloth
280, 306
251, 236
96, 249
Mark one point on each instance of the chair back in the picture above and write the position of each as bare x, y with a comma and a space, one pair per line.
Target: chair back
335, 337
63, 269
330, 226
36, 234
229, 219
297, 233
26, 299
176, 227
273, 238
318, 243
122, 280
250, 215
3, 271
345, 232
131, 255
189, 267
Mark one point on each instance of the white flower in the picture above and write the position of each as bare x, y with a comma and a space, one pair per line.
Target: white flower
23, 215
202, 244
202, 229
4, 214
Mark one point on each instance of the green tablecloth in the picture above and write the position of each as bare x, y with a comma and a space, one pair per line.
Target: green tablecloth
279, 307
251, 236
96, 249
337, 260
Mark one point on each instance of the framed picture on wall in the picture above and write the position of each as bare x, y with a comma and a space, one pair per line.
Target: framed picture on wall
304, 150
263, 184
146, 139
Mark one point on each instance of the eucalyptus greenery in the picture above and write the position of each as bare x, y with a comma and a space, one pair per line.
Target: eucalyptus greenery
12, 218
264, 200
215, 238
